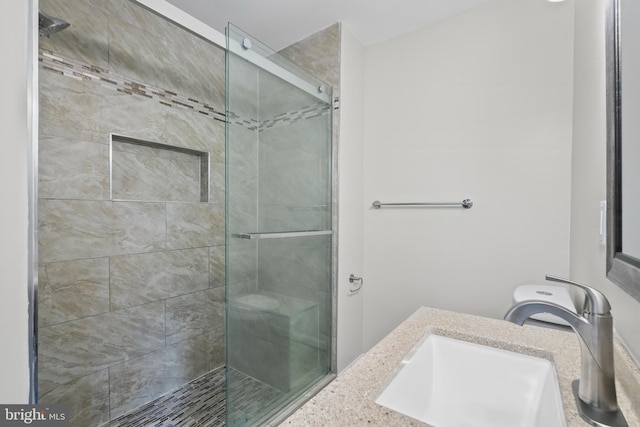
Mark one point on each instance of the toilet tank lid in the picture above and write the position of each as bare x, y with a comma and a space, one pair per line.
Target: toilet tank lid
556, 294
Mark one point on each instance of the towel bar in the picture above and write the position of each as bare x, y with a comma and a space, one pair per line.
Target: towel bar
466, 203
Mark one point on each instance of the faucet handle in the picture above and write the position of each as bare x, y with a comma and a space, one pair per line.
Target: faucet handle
596, 302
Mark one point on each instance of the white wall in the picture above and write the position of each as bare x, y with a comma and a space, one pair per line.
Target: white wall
351, 215
589, 171
14, 374
479, 106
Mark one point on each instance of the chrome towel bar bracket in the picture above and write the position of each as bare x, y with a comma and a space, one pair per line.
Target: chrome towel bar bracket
466, 203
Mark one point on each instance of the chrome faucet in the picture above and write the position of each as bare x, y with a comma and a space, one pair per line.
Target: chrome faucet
596, 390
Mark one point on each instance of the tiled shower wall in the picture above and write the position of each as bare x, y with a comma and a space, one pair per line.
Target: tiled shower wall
131, 293
318, 54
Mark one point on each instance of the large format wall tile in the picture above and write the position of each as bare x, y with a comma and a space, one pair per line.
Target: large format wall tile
71, 108
145, 148
72, 169
140, 380
194, 314
243, 288
318, 54
87, 398
243, 199
217, 347
305, 266
216, 266
155, 178
300, 140
137, 53
132, 115
243, 215
217, 192
131, 13
71, 229
141, 278
242, 261
200, 70
195, 131
175, 60
241, 269
294, 164
191, 129
71, 290
295, 217
243, 88
278, 186
192, 225
79, 347
294, 169
242, 180
86, 39
243, 152
277, 96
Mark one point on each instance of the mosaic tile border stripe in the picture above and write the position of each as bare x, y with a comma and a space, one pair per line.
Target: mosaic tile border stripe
54, 63
307, 112
69, 68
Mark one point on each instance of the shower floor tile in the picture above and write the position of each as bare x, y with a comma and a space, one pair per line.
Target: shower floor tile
201, 403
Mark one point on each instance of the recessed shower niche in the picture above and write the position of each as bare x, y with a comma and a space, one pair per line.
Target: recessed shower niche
143, 170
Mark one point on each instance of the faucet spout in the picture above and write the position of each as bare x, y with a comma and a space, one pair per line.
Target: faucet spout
522, 311
525, 309
596, 392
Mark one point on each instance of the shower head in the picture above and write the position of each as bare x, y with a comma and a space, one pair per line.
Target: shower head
50, 24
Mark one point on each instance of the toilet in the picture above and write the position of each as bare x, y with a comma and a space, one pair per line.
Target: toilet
556, 294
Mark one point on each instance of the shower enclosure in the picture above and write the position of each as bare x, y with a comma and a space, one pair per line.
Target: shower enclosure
279, 230
131, 229
167, 261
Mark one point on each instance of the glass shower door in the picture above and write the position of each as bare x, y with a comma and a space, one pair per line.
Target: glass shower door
279, 231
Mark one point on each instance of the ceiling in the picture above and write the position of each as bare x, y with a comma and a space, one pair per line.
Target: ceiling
279, 23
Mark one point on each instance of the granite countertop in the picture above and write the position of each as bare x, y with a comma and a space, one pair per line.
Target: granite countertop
350, 398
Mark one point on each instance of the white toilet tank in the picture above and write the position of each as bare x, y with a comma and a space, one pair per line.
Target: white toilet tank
556, 294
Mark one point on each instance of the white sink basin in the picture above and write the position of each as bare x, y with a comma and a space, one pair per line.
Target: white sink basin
451, 383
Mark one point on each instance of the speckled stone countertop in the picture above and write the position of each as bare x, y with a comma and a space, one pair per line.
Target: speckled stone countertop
350, 399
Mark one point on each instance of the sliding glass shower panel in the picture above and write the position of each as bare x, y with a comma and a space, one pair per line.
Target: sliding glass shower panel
279, 231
